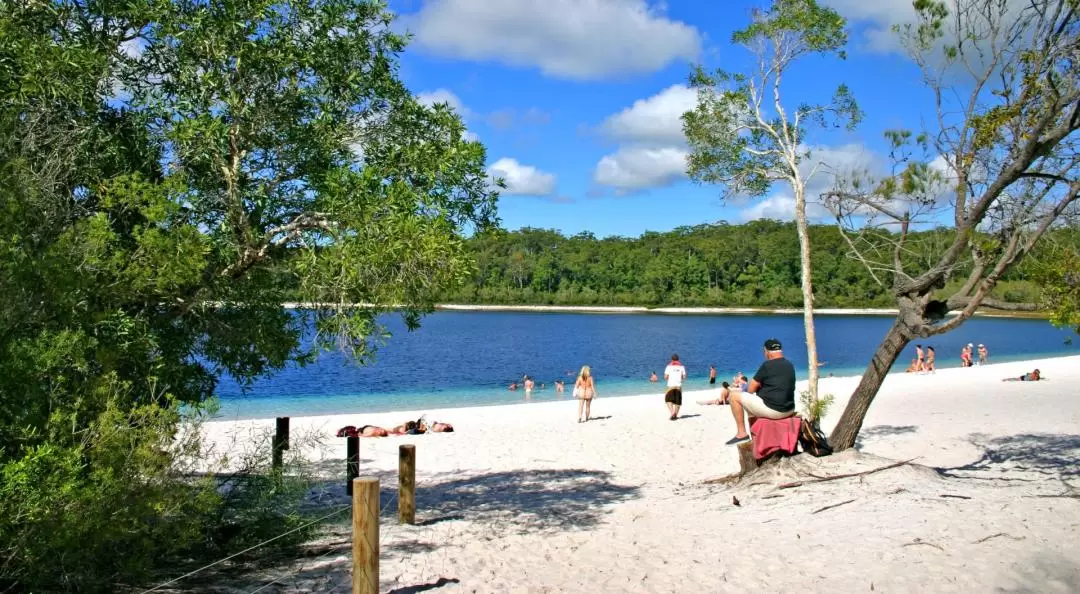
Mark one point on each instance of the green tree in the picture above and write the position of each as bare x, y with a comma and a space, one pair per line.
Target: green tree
743, 137
1001, 159
171, 172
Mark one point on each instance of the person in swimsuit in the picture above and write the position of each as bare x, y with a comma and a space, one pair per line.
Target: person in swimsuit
528, 387
931, 357
919, 365
725, 396
365, 431
1034, 376
712, 375
437, 427
560, 387
584, 391
983, 354
653, 378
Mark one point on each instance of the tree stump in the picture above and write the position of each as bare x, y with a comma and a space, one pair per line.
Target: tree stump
747, 462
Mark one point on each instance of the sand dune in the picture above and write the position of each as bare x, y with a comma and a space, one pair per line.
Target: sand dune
523, 499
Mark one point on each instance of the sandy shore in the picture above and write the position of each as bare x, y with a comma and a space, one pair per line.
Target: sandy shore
522, 498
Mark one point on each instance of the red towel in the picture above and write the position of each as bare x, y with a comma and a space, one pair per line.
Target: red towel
775, 435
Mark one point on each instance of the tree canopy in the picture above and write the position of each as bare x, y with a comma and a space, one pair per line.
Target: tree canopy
755, 264
171, 171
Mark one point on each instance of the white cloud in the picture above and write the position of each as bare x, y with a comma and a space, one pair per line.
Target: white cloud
522, 180
781, 207
656, 119
826, 163
430, 98
877, 19
637, 168
573, 39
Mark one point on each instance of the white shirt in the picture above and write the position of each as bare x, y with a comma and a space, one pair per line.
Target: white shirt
675, 374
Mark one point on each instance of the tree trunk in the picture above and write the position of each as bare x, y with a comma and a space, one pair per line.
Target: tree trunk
847, 429
807, 287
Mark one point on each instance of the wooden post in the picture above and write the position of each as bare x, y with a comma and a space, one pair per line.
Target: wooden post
365, 535
407, 484
283, 431
280, 442
352, 462
747, 462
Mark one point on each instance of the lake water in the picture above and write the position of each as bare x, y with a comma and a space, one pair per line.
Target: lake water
469, 358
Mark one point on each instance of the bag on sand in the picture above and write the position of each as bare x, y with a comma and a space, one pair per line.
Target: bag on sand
813, 440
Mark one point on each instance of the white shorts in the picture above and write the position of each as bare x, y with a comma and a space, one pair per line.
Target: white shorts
756, 407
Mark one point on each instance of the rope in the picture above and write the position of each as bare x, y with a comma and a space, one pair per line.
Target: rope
251, 548
389, 503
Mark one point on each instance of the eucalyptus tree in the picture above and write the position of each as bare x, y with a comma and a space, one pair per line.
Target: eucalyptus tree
745, 138
998, 160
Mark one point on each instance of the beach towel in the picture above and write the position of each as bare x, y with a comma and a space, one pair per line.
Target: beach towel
775, 435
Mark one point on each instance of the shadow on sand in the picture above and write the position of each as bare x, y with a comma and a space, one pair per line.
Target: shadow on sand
1053, 455
525, 500
880, 431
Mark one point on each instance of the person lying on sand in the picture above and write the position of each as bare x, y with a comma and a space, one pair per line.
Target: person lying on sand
410, 428
1034, 376
725, 395
365, 431
437, 427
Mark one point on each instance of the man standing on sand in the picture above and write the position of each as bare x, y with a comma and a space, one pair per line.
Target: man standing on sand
771, 393
983, 354
675, 373
712, 375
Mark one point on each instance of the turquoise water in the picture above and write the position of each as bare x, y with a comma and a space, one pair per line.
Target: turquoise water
469, 358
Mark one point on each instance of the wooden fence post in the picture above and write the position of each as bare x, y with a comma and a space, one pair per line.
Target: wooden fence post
407, 484
352, 462
365, 535
281, 441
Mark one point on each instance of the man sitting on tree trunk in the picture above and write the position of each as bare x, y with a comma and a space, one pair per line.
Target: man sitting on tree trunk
771, 393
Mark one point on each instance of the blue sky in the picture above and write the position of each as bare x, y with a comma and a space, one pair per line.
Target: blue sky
577, 101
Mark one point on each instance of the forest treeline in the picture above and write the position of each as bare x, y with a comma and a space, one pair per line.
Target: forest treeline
720, 264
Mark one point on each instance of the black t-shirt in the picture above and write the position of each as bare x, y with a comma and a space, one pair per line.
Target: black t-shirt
777, 379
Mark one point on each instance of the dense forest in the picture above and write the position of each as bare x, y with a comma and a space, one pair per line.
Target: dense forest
753, 264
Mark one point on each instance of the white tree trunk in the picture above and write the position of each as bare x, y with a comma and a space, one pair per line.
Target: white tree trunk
802, 227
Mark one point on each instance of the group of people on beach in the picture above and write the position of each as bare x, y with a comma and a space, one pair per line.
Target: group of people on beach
417, 427
769, 394
925, 361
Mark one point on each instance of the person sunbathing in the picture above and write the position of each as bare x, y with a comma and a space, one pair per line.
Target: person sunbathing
409, 428
437, 427
725, 396
1034, 376
364, 431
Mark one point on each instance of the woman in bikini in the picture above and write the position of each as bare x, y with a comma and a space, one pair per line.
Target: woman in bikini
584, 390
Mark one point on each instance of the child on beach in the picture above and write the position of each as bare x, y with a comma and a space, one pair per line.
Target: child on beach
584, 391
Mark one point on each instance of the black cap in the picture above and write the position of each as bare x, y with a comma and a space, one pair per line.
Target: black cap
773, 345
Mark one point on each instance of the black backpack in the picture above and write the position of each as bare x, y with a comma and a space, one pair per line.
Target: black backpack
812, 440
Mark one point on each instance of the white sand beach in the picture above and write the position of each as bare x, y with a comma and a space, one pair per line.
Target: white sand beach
522, 498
